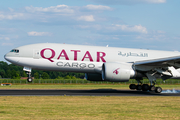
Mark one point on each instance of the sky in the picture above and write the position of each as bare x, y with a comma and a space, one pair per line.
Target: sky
145, 24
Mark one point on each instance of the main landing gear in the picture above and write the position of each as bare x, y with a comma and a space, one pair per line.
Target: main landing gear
145, 87
29, 79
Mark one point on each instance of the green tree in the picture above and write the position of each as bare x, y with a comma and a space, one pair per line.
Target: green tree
13, 74
3, 65
60, 78
73, 77
8, 74
2, 73
67, 77
17, 75
24, 74
36, 75
45, 75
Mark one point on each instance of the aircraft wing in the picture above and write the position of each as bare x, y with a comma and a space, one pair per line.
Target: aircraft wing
168, 61
165, 67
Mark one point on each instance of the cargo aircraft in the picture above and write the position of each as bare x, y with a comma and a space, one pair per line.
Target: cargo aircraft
100, 63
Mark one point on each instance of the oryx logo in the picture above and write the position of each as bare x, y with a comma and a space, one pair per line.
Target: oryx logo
116, 71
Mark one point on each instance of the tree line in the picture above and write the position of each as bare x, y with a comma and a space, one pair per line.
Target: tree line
16, 72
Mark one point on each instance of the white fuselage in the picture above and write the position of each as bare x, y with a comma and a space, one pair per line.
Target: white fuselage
78, 58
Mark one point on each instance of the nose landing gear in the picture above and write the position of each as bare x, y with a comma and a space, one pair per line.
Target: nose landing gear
28, 70
29, 79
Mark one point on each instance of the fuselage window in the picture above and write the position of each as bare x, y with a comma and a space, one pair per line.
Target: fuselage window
15, 50
12, 50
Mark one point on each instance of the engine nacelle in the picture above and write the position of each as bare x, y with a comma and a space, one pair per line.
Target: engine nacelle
93, 76
117, 72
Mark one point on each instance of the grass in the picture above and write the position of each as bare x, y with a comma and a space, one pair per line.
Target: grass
88, 108
77, 86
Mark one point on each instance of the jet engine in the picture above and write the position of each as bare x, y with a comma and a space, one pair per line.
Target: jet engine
117, 72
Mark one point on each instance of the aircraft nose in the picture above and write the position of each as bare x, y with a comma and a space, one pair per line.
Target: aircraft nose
5, 57
12, 57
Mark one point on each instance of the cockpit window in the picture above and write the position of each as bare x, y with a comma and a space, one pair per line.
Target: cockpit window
15, 50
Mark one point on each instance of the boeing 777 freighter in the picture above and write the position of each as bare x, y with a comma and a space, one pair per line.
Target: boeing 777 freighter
100, 63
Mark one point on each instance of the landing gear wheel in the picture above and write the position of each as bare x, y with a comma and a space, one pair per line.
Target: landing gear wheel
152, 88
158, 90
145, 87
132, 86
138, 87
29, 79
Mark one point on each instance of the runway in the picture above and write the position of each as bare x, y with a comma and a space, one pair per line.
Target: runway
92, 92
